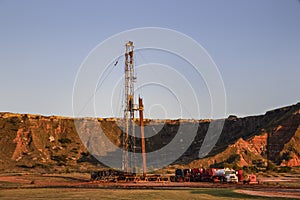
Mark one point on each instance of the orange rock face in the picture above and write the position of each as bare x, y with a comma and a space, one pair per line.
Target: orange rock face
23, 140
35, 141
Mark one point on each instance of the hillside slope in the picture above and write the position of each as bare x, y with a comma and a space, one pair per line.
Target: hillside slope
34, 142
253, 140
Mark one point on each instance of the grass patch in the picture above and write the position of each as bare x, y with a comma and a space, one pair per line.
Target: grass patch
223, 193
229, 194
145, 194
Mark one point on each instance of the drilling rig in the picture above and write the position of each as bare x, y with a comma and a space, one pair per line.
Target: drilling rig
129, 159
129, 136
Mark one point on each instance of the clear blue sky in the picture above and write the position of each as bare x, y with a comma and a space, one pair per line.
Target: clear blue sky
255, 44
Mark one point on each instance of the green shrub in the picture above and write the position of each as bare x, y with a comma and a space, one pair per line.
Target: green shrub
74, 150
250, 169
271, 166
64, 141
68, 170
284, 169
61, 158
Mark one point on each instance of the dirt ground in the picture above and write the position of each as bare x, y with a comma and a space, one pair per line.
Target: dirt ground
269, 187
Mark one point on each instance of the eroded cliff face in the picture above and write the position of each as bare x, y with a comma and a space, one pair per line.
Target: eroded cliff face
32, 140
254, 140
52, 143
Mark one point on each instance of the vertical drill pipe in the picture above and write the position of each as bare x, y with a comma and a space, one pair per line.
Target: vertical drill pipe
141, 110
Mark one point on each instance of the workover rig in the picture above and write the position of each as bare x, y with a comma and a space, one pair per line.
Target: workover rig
129, 142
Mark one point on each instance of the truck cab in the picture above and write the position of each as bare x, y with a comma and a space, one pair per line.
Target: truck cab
230, 176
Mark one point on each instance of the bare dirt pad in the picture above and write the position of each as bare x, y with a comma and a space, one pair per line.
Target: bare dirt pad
282, 193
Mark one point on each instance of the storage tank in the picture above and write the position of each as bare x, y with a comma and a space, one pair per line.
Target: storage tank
219, 172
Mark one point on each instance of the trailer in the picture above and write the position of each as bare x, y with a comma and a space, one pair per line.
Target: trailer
225, 175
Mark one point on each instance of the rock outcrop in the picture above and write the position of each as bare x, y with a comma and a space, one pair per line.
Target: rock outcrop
34, 142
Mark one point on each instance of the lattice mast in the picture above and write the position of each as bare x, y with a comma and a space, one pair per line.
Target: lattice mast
128, 163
